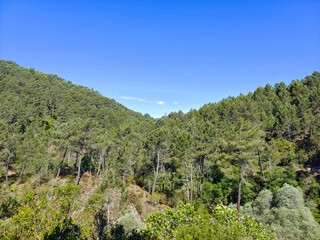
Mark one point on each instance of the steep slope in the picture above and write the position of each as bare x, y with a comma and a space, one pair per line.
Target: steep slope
27, 94
66, 119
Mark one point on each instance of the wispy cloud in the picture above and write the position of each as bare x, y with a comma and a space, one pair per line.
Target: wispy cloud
175, 102
136, 99
143, 100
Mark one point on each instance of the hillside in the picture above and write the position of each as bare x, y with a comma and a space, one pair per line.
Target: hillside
56, 111
65, 148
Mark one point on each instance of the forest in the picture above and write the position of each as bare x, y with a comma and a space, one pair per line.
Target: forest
78, 165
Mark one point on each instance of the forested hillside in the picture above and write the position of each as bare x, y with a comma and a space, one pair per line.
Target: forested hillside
79, 165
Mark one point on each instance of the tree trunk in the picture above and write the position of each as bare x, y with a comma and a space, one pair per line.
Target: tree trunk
7, 170
239, 189
59, 169
100, 162
187, 182
91, 160
156, 172
21, 173
79, 170
39, 177
270, 166
69, 153
201, 181
75, 163
260, 162
164, 177
191, 185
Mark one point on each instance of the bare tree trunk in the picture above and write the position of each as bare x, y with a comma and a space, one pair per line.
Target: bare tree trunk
187, 182
270, 166
239, 189
91, 159
69, 155
101, 161
191, 185
7, 170
79, 170
200, 181
156, 172
260, 162
164, 177
21, 173
75, 163
59, 169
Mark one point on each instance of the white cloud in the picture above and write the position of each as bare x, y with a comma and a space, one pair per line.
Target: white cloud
144, 100
175, 102
136, 99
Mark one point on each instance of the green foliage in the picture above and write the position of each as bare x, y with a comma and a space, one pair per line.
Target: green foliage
139, 207
130, 221
162, 225
51, 128
187, 223
67, 230
96, 200
111, 181
285, 212
229, 225
157, 198
42, 214
9, 204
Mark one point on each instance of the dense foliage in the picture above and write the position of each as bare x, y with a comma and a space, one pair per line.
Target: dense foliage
187, 223
285, 212
55, 134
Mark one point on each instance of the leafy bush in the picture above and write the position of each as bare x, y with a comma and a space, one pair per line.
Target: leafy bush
285, 212
139, 206
157, 198
162, 225
67, 230
130, 221
132, 196
8, 204
95, 200
111, 181
42, 214
187, 223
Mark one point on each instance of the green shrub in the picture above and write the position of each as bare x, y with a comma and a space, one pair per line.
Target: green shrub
157, 198
130, 221
285, 212
41, 214
139, 207
186, 223
95, 200
111, 181
8, 204
67, 230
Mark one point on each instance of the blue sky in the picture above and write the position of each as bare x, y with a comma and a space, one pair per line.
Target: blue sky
161, 56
